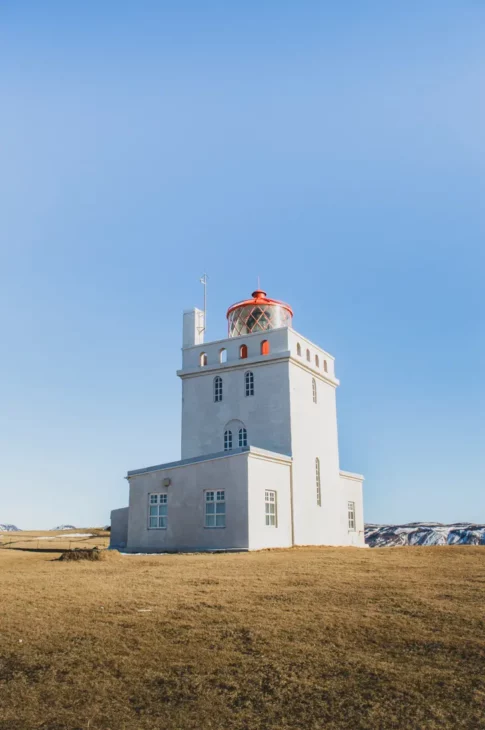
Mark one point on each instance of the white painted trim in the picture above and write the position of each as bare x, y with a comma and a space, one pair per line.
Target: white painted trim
312, 344
285, 460
247, 451
351, 475
235, 364
304, 365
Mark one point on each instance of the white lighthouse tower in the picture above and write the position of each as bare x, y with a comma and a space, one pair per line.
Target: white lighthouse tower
260, 465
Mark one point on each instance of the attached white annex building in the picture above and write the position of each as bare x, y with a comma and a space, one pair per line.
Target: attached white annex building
260, 463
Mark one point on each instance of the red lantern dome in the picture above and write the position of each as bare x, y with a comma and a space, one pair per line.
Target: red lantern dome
258, 315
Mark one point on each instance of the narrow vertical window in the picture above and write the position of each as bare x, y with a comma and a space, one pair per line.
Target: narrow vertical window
314, 390
157, 511
325, 367
243, 352
318, 482
203, 359
351, 515
317, 361
223, 355
265, 347
243, 437
215, 508
217, 389
270, 508
308, 356
298, 349
227, 440
249, 383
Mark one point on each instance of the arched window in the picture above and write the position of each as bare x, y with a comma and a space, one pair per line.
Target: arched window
325, 366
308, 356
249, 383
235, 428
222, 355
298, 349
317, 361
243, 437
243, 352
317, 481
203, 359
227, 440
314, 390
265, 347
217, 389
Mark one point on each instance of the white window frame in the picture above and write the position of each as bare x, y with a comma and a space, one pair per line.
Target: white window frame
249, 383
270, 508
228, 440
351, 516
215, 497
243, 437
314, 390
318, 481
217, 389
158, 504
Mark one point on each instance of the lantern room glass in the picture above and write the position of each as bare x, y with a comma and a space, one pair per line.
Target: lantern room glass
257, 318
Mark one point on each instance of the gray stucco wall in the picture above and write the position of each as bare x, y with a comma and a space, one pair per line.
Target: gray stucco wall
266, 414
186, 529
119, 528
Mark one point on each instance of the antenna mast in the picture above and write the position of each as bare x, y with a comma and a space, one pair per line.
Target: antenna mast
203, 281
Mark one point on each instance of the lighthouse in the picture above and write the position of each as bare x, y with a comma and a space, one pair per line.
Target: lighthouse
259, 447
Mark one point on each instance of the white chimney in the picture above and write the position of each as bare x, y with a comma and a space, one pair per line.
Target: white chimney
193, 327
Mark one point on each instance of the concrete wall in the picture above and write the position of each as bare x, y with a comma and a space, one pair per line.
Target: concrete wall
318, 357
186, 506
314, 434
269, 472
351, 489
278, 339
118, 537
266, 414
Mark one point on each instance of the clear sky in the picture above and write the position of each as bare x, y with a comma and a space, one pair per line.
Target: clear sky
334, 149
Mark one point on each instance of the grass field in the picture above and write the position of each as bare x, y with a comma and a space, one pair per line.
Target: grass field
305, 638
49, 540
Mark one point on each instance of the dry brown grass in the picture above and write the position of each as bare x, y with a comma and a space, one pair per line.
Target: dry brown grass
49, 540
88, 554
303, 639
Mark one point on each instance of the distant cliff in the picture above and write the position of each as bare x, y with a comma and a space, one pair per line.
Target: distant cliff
425, 533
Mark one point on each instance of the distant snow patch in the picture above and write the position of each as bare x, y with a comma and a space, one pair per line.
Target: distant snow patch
65, 537
425, 533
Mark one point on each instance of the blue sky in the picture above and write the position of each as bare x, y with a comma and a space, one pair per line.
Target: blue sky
334, 149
